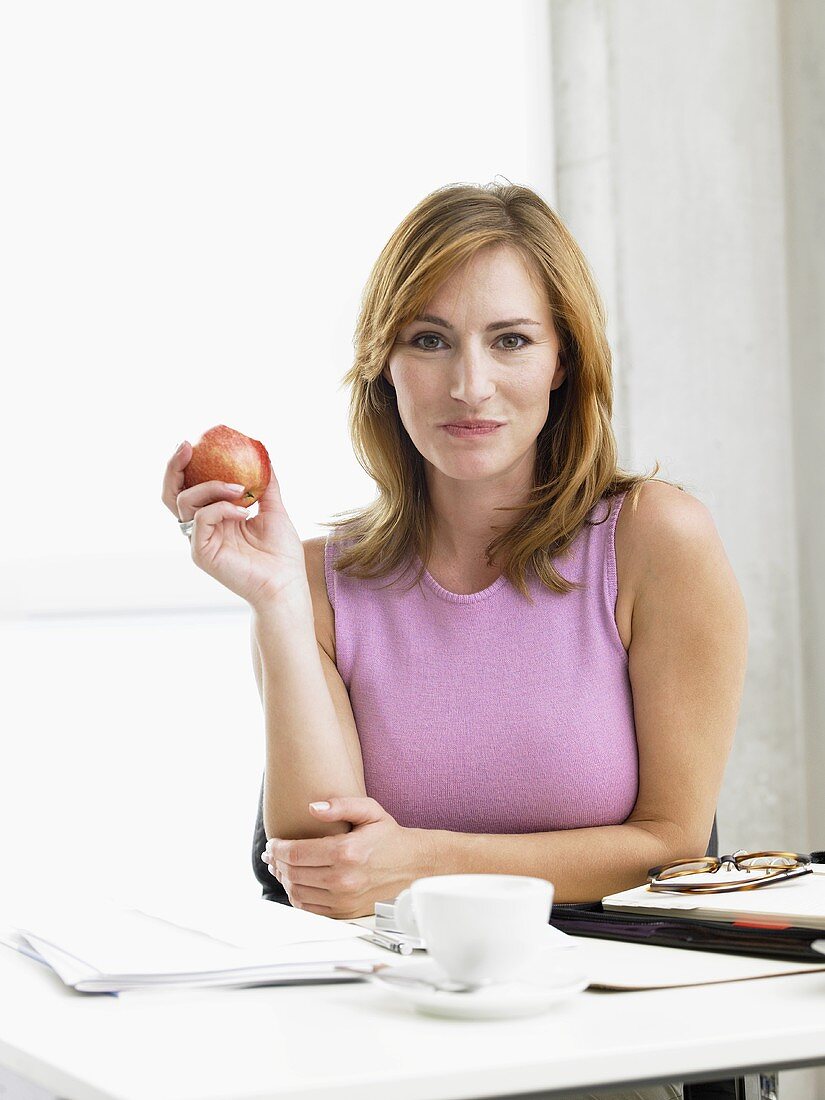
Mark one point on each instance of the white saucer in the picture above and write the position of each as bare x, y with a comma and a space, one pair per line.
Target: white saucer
550, 982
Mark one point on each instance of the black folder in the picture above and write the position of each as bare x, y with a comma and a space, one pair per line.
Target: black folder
766, 939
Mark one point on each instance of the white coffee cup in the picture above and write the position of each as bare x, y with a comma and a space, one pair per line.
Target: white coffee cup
478, 928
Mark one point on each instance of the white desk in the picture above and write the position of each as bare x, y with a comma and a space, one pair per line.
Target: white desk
356, 1041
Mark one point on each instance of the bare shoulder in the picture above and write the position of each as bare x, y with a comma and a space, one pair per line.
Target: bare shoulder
670, 538
662, 534
321, 607
658, 521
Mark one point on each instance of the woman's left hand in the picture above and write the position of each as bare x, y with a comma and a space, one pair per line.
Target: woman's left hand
344, 875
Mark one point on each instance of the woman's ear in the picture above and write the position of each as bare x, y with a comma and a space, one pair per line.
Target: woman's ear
559, 374
387, 373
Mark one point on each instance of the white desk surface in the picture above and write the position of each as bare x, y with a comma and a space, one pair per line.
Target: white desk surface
357, 1041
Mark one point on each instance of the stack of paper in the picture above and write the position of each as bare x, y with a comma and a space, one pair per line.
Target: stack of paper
385, 922
102, 945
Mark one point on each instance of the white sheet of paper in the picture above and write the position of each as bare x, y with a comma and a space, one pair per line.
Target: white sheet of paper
244, 922
615, 964
306, 963
103, 933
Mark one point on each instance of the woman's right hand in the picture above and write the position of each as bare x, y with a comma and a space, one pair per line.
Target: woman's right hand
260, 559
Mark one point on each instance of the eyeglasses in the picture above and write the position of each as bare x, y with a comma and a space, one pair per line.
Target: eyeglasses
769, 867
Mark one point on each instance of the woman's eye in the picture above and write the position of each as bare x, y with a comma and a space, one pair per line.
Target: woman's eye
515, 336
435, 336
425, 336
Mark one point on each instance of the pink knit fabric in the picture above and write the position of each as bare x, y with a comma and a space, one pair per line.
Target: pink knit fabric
483, 713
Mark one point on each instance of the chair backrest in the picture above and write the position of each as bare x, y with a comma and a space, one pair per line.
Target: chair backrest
713, 843
273, 891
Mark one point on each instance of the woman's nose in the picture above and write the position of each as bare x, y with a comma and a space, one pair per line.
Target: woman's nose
472, 380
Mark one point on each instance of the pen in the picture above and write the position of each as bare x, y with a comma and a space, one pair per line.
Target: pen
385, 941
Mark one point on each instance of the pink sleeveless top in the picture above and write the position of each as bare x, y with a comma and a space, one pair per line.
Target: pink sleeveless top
483, 713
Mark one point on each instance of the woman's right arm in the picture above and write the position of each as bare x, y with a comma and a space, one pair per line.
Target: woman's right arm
312, 746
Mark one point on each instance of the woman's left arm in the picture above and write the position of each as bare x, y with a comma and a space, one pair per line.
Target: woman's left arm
687, 660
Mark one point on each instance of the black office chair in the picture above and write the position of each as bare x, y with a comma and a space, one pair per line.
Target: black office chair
752, 1087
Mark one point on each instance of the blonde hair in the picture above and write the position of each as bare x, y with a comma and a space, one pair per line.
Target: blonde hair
576, 453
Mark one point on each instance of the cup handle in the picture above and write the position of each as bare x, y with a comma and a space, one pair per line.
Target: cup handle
404, 916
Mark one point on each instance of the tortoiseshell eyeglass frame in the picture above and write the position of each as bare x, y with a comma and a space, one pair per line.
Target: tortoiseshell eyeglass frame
662, 878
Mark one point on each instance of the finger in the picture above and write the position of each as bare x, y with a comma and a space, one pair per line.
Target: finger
270, 499
307, 894
212, 516
173, 477
276, 871
320, 910
320, 852
188, 501
320, 878
358, 809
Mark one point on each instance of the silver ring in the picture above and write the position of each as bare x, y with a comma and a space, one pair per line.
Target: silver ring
186, 526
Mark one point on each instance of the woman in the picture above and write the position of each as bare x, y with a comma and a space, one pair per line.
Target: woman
555, 693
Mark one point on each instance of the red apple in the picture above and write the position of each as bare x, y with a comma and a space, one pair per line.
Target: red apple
222, 454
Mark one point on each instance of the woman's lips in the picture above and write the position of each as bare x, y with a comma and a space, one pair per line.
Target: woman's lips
468, 433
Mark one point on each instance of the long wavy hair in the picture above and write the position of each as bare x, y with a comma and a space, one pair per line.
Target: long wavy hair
576, 455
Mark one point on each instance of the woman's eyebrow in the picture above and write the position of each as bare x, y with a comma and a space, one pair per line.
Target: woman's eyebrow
432, 320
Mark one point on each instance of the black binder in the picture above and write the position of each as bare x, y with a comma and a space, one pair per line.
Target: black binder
766, 939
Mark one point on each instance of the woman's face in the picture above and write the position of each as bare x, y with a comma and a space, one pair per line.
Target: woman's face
469, 364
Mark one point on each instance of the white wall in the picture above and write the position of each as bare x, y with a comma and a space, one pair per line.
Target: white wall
133, 754
197, 194
691, 161
672, 171
802, 53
